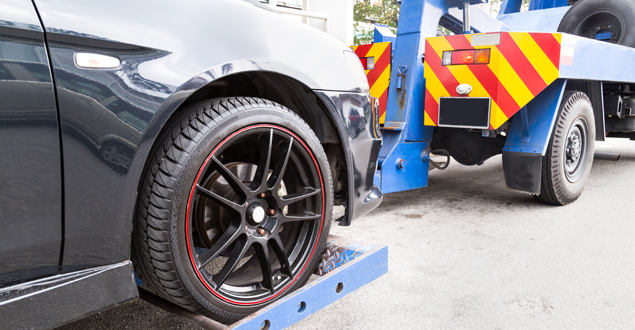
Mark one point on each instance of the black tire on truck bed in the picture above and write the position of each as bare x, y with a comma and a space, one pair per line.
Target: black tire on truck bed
588, 17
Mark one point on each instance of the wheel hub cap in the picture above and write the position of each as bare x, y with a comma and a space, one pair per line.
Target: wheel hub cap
575, 153
258, 214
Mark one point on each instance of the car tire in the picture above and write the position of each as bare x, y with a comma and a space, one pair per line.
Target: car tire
589, 18
567, 163
220, 230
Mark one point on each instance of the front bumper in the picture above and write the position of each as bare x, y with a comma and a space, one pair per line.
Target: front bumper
357, 122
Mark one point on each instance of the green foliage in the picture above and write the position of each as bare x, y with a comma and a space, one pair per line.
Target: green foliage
493, 6
368, 12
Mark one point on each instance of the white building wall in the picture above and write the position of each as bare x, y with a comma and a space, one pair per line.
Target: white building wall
340, 16
341, 12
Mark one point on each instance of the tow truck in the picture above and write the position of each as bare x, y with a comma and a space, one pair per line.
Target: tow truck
537, 86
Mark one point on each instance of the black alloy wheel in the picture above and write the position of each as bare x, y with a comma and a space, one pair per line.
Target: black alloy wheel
235, 210
605, 20
253, 235
567, 163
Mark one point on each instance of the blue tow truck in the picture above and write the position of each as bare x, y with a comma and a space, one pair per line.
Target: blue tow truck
537, 86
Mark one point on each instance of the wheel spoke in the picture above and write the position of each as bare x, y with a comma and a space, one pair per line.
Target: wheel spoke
281, 254
228, 237
262, 253
238, 252
233, 181
292, 198
222, 201
296, 218
281, 166
260, 179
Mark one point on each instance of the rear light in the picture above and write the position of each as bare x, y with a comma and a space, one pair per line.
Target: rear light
368, 63
481, 56
462, 57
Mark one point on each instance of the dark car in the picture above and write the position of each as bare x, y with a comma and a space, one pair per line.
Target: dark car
202, 144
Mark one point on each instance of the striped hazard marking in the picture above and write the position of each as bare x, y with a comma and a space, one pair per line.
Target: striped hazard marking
520, 67
379, 76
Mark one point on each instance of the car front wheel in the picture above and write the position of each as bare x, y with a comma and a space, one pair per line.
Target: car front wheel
235, 208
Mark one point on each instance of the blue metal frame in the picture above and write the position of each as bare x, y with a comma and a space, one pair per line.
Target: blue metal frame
403, 158
546, 20
513, 6
404, 130
591, 60
546, 4
383, 34
355, 265
531, 127
345, 267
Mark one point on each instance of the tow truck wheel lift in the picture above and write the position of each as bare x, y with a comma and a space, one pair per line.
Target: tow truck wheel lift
345, 267
503, 86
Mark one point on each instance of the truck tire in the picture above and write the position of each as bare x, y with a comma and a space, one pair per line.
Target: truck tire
567, 163
235, 208
609, 20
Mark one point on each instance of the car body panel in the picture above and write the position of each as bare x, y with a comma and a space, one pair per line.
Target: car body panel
56, 300
357, 118
162, 63
109, 120
30, 169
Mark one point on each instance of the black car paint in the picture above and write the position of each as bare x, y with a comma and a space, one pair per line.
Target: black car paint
358, 120
30, 170
55, 300
168, 50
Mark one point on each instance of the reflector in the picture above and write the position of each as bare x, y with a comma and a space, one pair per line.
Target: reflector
462, 57
481, 56
368, 63
96, 61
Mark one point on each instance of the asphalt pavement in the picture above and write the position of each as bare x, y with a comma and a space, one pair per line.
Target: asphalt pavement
467, 253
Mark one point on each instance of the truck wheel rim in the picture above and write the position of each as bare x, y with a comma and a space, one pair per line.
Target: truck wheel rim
606, 25
268, 239
576, 150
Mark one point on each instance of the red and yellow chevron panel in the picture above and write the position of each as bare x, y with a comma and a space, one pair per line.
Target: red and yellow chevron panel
379, 76
520, 67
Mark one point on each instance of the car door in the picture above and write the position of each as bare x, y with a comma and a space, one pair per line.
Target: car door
30, 164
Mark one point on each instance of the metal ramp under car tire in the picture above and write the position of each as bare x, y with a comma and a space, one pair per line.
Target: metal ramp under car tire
345, 267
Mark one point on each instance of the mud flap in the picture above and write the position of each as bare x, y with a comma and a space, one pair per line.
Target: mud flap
522, 171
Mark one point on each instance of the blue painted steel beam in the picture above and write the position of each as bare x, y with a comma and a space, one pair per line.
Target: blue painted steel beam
596, 60
383, 34
546, 20
513, 6
510, 7
531, 127
405, 136
546, 4
370, 262
404, 113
